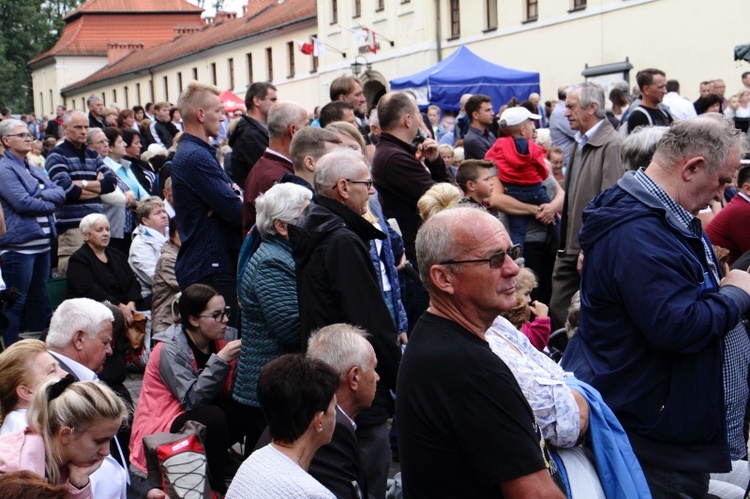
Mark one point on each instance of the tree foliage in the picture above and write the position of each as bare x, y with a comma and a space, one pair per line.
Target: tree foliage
28, 28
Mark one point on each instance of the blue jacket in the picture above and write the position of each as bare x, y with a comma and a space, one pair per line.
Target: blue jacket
65, 164
23, 200
270, 316
208, 212
652, 320
391, 251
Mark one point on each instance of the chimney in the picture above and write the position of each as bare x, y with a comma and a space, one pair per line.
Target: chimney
118, 50
255, 6
185, 30
244, 11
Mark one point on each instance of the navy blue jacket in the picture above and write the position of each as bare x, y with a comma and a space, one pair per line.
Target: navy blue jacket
23, 200
208, 212
652, 321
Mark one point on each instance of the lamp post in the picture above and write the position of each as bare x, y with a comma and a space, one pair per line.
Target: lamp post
357, 66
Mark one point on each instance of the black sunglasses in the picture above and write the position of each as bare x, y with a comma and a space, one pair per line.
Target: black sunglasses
496, 261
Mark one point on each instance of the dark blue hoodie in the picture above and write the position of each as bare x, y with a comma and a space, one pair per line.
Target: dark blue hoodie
652, 320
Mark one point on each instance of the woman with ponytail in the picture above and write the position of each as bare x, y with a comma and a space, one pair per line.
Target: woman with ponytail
70, 426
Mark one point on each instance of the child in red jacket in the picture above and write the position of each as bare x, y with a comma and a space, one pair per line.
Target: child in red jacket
520, 165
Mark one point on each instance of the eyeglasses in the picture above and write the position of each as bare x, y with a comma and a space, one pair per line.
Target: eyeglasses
218, 316
367, 183
22, 135
496, 261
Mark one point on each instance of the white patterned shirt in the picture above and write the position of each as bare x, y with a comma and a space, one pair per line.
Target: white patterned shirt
541, 381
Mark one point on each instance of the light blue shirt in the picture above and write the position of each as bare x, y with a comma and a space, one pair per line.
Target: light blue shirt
122, 168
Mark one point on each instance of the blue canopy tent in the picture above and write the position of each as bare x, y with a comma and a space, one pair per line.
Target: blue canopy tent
464, 72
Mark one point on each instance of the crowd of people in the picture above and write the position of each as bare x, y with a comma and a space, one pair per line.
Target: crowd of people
346, 288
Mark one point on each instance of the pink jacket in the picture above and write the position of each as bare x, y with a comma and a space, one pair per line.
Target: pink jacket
23, 450
538, 332
172, 385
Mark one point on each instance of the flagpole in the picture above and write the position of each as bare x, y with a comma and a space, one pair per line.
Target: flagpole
343, 54
379, 34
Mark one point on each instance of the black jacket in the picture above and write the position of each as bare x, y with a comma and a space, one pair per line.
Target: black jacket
96, 123
336, 282
248, 142
114, 281
165, 133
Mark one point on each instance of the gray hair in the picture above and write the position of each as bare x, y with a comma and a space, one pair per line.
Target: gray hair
92, 99
91, 134
283, 114
281, 202
310, 141
341, 347
711, 135
590, 93
87, 222
340, 163
638, 148
68, 116
76, 314
7, 126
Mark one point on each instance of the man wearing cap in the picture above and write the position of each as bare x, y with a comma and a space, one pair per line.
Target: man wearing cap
594, 167
478, 139
520, 166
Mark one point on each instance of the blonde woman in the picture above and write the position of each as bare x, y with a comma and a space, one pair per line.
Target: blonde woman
70, 427
24, 366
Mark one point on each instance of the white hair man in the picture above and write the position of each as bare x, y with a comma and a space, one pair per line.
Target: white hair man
594, 166
336, 277
345, 348
80, 338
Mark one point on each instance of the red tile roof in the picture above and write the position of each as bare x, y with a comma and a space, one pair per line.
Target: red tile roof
272, 17
91, 26
134, 7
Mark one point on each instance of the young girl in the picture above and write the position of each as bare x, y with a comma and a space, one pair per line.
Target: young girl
538, 330
70, 426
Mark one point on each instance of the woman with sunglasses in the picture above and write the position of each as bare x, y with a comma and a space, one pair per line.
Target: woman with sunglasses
29, 200
188, 378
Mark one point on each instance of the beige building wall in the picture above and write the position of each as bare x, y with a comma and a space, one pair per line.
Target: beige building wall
691, 40
61, 71
225, 66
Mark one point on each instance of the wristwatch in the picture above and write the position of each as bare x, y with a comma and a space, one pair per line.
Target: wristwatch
85, 183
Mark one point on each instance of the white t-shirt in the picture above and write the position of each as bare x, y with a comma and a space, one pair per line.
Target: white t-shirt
269, 473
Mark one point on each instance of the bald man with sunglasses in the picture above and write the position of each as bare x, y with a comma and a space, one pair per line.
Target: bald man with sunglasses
464, 426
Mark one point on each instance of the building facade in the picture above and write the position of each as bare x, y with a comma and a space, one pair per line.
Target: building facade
691, 40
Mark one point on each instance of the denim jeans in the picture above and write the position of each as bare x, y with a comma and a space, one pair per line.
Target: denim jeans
532, 194
27, 273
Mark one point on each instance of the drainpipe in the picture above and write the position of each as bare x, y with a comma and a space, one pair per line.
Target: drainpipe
438, 35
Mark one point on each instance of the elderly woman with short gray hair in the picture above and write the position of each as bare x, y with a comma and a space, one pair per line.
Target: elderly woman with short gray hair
268, 295
102, 273
29, 200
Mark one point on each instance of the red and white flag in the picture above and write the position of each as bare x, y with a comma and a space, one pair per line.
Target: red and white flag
319, 48
305, 47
